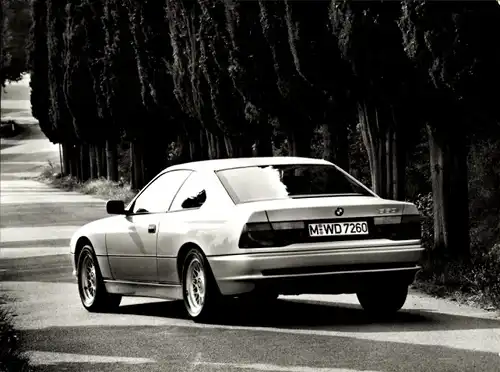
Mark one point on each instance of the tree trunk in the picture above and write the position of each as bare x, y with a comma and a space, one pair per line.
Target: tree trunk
104, 161
231, 145
73, 165
101, 161
448, 159
220, 147
336, 145
204, 145
93, 162
264, 140
136, 165
390, 157
84, 162
112, 160
185, 148
195, 145
299, 141
369, 120
238, 147
211, 145
66, 155
154, 157
385, 149
399, 165
78, 162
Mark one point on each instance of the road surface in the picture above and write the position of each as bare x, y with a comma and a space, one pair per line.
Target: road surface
301, 334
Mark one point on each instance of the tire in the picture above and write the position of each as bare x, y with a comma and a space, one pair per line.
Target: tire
93, 294
384, 302
200, 292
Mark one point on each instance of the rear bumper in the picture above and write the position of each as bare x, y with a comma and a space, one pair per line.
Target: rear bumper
316, 271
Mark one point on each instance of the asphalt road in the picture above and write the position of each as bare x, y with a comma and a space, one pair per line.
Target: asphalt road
300, 334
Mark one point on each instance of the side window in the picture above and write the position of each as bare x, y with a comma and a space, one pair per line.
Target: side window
156, 198
192, 194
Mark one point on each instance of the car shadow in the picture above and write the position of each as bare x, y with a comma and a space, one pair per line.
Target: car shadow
302, 314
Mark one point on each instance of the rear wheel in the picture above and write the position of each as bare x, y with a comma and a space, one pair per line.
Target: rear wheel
91, 287
383, 301
200, 293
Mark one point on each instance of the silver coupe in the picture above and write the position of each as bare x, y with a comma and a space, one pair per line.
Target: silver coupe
250, 227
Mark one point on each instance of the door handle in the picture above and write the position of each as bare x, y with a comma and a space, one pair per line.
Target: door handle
151, 229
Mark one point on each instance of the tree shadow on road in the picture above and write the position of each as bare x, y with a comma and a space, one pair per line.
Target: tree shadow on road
4, 145
301, 314
186, 349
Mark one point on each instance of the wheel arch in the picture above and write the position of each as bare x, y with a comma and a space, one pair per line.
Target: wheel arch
80, 244
181, 256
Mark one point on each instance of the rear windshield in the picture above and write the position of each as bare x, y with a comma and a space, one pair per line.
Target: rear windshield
287, 181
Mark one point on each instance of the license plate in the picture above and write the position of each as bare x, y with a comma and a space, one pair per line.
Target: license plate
338, 228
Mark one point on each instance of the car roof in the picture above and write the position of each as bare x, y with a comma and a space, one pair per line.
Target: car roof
221, 164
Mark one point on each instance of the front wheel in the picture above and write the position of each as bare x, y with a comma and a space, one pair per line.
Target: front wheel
384, 301
200, 293
91, 287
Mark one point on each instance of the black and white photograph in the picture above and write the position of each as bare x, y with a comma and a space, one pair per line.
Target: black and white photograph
250, 186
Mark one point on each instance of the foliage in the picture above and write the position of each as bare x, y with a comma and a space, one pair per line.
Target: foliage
481, 277
394, 92
38, 64
101, 187
82, 34
484, 194
443, 42
119, 101
59, 113
425, 206
382, 85
11, 357
15, 25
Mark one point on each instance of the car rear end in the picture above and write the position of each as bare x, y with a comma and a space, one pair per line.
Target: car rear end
319, 243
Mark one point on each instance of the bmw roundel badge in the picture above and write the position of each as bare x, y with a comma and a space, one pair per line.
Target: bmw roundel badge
339, 212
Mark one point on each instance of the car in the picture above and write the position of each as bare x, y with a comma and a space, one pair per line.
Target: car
250, 228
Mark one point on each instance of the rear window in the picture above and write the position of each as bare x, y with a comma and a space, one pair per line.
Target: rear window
287, 181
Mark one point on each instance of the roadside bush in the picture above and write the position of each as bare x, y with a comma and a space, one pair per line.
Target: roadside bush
108, 190
485, 275
484, 194
11, 357
101, 187
425, 204
479, 279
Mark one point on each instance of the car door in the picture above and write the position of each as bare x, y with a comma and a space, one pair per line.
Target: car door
131, 245
191, 196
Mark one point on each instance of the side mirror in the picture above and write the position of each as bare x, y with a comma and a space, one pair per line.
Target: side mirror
115, 207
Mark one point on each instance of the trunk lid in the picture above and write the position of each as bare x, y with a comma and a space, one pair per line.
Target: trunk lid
324, 208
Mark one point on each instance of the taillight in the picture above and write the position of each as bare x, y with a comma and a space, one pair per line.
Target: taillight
271, 234
411, 227
405, 227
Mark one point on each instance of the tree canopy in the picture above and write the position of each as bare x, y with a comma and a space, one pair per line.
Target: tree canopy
128, 87
16, 23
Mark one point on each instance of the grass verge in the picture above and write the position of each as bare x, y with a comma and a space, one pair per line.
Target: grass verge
101, 188
476, 283
11, 357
